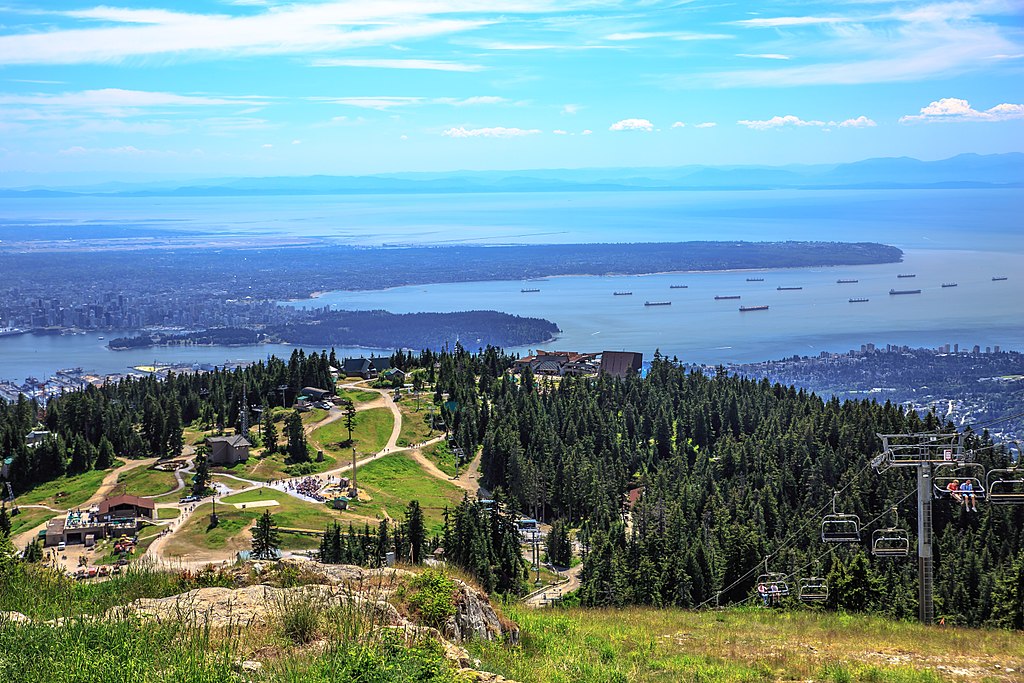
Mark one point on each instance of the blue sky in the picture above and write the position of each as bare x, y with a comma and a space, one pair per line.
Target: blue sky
259, 87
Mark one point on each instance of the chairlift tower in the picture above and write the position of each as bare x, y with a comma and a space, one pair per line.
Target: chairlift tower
922, 451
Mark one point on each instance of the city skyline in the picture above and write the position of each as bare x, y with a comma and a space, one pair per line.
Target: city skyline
260, 87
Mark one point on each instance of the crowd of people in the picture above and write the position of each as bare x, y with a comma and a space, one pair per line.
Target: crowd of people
306, 486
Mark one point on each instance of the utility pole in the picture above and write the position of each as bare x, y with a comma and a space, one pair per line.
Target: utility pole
245, 411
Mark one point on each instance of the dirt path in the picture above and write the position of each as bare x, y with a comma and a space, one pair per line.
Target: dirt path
544, 597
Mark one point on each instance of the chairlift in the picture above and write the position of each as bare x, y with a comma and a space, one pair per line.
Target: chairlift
972, 473
772, 586
890, 542
1005, 486
813, 589
839, 527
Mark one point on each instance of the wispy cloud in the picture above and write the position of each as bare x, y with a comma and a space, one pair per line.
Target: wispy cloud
775, 22
951, 109
108, 98
706, 124
796, 122
414, 64
679, 124
496, 132
632, 124
670, 35
765, 55
386, 102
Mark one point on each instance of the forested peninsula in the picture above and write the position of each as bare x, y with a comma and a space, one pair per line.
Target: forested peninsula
373, 329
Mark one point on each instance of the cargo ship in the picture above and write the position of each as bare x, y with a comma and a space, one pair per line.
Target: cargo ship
948, 284
744, 309
678, 286
528, 291
657, 303
998, 278
846, 282
622, 293
755, 279
728, 296
904, 291
906, 275
858, 301
787, 289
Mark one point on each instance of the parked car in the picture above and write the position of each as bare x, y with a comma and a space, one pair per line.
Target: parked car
190, 499
61, 546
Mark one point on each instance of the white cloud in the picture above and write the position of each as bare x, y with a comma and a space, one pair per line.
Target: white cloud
496, 132
859, 122
125, 149
632, 124
779, 122
116, 98
292, 28
570, 109
587, 132
424, 64
775, 22
530, 47
797, 122
706, 124
558, 131
469, 101
679, 124
954, 109
765, 55
296, 142
672, 35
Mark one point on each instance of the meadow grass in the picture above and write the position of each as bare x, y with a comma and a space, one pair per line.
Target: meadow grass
741, 645
370, 433
394, 480
68, 491
358, 395
415, 425
28, 518
168, 513
143, 481
441, 455
270, 467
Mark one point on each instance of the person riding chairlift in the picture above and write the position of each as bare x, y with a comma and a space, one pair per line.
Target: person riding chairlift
967, 492
954, 487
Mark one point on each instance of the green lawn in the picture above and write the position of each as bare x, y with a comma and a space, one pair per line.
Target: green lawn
168, 513
395, 480
358, 395
68, 491
371, 432
415, 425
143, 481
230, 532
441, 455
274, 466
28, 518
313, 416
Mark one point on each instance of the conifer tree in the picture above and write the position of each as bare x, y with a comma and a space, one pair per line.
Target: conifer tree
265, 539
415, 531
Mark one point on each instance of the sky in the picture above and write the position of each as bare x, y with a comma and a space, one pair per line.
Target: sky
213, 88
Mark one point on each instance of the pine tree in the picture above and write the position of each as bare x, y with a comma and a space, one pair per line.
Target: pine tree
201, 480
174, 438
297, 451
415, 531
5, 522
33, 551
269, 430
265, 540
105, 457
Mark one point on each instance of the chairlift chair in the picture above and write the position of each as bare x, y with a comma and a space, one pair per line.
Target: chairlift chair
890, 542
839, 527
946, 473
774, 585
1005, 486
813, 589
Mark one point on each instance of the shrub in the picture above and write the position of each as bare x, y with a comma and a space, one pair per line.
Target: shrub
433, 597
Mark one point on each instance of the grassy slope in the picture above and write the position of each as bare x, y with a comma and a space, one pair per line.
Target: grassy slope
66, 492
143, 481
395, 480
639, 644
372, 430
414, 424
442, 456
269, 467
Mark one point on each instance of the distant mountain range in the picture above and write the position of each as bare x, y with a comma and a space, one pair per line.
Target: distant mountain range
963, 171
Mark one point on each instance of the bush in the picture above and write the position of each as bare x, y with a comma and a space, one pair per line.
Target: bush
433, 597
300, 618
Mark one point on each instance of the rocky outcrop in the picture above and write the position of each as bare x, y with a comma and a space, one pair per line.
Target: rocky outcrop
475, 618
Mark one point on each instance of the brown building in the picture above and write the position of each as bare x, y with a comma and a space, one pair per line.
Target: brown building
227, 450
621, 363
125, 507
559, 363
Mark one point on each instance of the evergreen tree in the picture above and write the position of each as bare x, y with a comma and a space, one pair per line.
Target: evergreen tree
297, 450
105, 455
415, 531
173, 435
269, 430
201, 480
5, 522
33, 551
559, 548
265, 540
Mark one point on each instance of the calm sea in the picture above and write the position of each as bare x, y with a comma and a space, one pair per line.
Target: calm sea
963, 236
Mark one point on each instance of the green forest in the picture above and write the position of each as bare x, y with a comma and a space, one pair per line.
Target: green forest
724, 472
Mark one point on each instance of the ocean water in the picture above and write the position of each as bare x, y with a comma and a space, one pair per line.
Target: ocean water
963, 236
